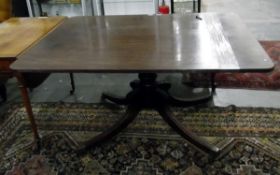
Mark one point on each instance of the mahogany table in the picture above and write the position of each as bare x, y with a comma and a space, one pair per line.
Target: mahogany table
206, 42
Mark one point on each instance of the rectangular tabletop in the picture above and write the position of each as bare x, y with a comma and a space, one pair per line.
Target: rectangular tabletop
18, 34
175, 43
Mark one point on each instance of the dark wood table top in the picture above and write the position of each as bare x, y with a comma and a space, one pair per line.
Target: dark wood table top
206, 42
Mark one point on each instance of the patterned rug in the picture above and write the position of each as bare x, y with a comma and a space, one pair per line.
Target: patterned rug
249, 138
270, 80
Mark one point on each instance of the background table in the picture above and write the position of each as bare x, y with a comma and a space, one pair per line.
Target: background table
17, 35
147, 45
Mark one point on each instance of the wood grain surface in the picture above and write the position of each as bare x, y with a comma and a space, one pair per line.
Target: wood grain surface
207, 42
18, 34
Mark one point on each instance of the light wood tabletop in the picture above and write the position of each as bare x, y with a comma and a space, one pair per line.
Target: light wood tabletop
17, 34
206, 42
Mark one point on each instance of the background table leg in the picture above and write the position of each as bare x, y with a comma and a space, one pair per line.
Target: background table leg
72, 83
28, 108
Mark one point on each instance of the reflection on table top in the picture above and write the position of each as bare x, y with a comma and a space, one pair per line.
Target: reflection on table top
194, 42
17, 34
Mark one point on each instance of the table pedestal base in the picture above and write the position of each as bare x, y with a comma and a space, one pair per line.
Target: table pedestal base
148, 93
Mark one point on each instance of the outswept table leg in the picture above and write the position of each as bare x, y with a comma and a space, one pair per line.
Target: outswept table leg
130, 114
115, 99
28, 108
166, 114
